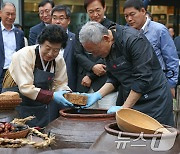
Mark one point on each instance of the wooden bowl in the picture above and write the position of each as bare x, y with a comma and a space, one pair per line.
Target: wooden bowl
22, 132
15, 135
133, 121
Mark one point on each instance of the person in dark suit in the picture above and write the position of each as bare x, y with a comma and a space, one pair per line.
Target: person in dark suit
11, 38
92, 70
45, 7
61, 16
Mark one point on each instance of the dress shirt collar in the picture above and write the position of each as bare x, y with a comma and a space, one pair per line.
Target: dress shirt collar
46, 24
4, 28
145, 26
67, 31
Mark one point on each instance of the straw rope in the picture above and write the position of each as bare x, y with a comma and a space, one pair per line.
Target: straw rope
16, 143
22, 121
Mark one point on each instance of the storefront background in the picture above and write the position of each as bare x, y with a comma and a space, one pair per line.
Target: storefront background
27, 13
163, 14
78, 18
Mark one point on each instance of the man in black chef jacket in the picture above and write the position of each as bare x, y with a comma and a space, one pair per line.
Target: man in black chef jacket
131, 62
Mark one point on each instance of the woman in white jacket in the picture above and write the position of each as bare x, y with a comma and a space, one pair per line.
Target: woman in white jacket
36, 72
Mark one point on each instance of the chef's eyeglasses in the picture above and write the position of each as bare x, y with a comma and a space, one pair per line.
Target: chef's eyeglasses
45, 11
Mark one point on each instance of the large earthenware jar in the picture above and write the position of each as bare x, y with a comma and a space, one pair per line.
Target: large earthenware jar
75, 151
115, 140
8, 115
23, 150
78, 128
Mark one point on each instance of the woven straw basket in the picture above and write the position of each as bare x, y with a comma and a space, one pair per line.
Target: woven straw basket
9, 104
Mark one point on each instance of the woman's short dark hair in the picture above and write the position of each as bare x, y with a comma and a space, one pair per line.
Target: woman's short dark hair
87, 2
53, 34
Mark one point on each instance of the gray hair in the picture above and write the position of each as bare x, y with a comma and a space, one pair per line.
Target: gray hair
7, 3
92, 32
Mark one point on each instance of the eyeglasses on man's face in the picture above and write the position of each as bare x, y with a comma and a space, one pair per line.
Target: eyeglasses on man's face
46, 11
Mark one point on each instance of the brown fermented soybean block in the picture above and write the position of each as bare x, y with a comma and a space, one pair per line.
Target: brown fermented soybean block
76, 99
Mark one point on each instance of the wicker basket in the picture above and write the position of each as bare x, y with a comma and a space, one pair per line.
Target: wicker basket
15, 135
9, 104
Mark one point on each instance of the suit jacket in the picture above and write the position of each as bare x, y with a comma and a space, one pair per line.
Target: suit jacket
19, 35
70, 61
34, 32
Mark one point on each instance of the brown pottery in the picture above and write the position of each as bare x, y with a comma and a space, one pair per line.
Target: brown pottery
115, 140
78, 128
